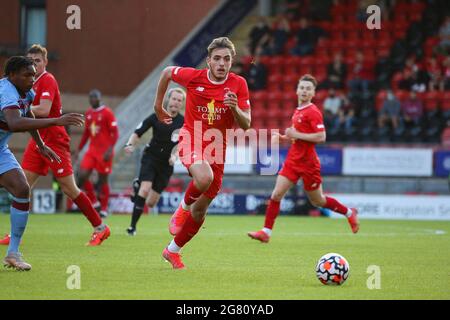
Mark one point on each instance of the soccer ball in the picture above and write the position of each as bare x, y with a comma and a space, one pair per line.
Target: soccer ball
332, 269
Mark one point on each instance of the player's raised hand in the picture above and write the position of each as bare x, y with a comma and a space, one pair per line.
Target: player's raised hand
70, 119
276, 137
49, 153
230, 99
163, 116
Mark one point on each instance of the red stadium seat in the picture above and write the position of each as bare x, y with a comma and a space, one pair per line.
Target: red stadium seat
291, 64
274, 82
445, 100
396, 79
258, 95
275, 64
258, 105
275, 96
431, 100
401, 95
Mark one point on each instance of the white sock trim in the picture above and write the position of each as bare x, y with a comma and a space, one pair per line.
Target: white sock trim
349, 213
185, 206
172, 247
267, 231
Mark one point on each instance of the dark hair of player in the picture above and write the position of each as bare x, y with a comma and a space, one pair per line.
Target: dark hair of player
219, 43
16, 63
310, 78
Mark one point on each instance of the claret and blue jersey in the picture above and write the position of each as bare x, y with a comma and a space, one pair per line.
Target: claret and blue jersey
11, 99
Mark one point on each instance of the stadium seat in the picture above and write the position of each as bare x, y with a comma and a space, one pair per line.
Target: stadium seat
431, 101
274, 81
260, 95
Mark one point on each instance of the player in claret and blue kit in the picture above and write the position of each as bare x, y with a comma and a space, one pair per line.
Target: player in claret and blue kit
16, 96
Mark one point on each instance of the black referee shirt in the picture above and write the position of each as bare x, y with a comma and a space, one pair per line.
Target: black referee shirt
164, 139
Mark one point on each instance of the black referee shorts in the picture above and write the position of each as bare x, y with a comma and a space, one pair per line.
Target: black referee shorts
155, 171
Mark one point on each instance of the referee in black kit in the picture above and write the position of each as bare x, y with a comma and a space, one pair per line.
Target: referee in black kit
158, 157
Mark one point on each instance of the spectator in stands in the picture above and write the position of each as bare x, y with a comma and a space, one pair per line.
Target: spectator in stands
390, 111
331, 107
415, 80
435, 75
444, 35
445, 137
446, 72
257, 75
336, 73
306, 38
412, 110
278, 37
238, 68
257, 33
347, 114
360, 76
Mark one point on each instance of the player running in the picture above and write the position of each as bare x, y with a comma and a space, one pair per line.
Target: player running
158, 157
47, 104
216, 98
302, 162
101, 129
15, 100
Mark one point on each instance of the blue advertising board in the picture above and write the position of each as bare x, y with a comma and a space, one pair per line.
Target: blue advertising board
442, 163
330, 160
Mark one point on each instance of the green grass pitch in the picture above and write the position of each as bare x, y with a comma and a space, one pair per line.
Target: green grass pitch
223, 263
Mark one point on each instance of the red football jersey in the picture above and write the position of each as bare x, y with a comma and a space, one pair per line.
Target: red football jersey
204, 100
100, 128
306, 119
46, 88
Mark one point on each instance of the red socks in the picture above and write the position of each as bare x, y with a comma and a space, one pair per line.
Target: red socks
90, 191
85, 205
104, 196
192, 194
335, 205
189, 230
272, 211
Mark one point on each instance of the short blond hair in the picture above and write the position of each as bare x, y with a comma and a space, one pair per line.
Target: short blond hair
219, 43
178, 90
37, 48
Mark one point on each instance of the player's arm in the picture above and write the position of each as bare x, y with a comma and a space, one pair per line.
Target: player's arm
317, 137
173, 155
42, 110
163, 84
17, 123
142, 128
242, 117
83, 141
114, 136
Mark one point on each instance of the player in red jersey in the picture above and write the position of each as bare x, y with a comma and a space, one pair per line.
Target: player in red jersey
216, 98
47, 104
302, 162
101, 129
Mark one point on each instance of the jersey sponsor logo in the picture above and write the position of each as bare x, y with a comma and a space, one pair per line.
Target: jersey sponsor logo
211, 112
200, 89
